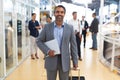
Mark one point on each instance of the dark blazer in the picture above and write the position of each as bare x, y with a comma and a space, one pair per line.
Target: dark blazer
94, 26
33, 31
85, 26
47, 34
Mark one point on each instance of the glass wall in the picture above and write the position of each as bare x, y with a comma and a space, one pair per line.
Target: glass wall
19, 29
14, 33
109, 50
26, 20
9, 31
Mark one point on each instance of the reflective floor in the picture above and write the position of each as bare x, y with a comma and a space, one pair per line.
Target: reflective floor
90, 67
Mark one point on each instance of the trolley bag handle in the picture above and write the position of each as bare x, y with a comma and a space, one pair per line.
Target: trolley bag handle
78, 69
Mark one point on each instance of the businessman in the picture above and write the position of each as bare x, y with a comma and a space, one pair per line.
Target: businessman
84, 25
94, 31
64, 34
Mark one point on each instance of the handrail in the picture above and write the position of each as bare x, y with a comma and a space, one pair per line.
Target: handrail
114, 41
110, 38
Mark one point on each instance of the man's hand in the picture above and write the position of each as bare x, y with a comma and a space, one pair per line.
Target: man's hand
38, 27
80, 36
51, 53
75, 66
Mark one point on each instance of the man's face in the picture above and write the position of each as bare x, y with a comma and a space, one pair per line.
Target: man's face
83, 17
34, 17
48, 20
75, 16
59, 14
93, 15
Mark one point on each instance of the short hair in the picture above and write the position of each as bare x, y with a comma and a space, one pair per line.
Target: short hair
50, 17
74, 12
33, 14
94, 14
83, 16
61, 7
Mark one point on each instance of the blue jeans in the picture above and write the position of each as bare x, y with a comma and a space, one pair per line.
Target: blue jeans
94, 38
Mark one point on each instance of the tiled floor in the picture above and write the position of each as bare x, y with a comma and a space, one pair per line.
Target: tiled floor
90, 67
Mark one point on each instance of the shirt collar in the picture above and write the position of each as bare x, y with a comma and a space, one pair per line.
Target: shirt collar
56, 25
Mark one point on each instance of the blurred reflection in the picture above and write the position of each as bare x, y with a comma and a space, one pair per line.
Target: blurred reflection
26, 32
27, 18
9, 40
19, 36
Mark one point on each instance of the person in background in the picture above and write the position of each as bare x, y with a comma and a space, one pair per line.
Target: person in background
64, 35
49, 19
43, 21
84, 25
78, 32
34, 32
94, 31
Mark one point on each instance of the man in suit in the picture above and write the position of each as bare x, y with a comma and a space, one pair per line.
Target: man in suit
65, 35
84, 25
94, 31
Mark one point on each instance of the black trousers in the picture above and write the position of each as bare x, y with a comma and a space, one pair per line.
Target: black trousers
84, 37
78, 45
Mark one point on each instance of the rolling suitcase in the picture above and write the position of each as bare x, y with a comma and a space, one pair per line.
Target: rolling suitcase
71, 77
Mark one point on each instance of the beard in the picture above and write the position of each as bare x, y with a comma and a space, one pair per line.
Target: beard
59, 18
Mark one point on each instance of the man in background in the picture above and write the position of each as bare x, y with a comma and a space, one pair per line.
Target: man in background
78, 32
49, 19
84, 25
94, 31
34, 32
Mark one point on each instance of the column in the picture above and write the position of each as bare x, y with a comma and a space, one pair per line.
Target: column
2, 43
51, 8
14, 19
100, 30
119, 9
101, 12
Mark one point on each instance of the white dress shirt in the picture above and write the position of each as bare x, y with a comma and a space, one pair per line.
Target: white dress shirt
82, 23
76, 25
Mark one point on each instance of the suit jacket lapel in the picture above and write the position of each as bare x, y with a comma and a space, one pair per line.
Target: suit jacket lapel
51, 29
64, 32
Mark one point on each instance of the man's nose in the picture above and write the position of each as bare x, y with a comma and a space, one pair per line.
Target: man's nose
59, 13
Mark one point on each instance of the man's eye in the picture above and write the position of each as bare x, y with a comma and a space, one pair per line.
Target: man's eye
59, 11
62, 11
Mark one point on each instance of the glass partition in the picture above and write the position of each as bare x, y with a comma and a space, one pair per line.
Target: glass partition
19, 36
110, 34
27, 18
9, 30
19, 31
22, 30
14, 18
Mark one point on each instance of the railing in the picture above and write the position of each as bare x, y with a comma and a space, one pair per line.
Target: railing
114, 39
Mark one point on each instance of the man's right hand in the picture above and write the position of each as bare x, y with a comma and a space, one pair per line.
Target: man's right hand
51, 53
